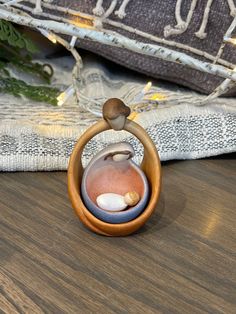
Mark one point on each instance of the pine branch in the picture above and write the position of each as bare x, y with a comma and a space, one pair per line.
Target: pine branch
24, 62
19, 88
14, 38
15, 50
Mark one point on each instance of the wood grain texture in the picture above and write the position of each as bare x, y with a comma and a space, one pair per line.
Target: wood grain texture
182, 261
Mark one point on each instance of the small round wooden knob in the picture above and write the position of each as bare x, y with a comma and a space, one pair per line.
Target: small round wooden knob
131, 198
115, 113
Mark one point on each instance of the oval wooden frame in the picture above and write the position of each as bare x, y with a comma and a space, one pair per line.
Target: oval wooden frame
150, 165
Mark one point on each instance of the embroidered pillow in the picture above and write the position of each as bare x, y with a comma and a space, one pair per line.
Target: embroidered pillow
195, 27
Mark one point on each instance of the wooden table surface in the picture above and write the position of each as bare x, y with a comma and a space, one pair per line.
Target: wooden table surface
182, 261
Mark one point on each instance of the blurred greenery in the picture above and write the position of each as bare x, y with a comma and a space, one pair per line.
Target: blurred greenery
16, 51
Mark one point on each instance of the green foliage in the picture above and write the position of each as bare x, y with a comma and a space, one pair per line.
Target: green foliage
16, 50
20, 88
14, 38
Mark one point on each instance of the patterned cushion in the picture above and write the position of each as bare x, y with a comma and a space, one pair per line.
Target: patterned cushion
183, 25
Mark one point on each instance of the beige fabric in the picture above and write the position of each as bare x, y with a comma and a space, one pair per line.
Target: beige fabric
37, 136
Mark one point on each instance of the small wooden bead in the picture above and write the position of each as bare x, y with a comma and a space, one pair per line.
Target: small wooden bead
131, 198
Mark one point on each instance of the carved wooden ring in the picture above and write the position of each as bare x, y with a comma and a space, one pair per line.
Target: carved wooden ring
150, 165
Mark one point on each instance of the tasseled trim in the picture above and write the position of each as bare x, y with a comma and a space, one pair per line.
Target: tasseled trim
110, 9
38, 8
99, 11
232, 8
181, 25
201, 32
121, 12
